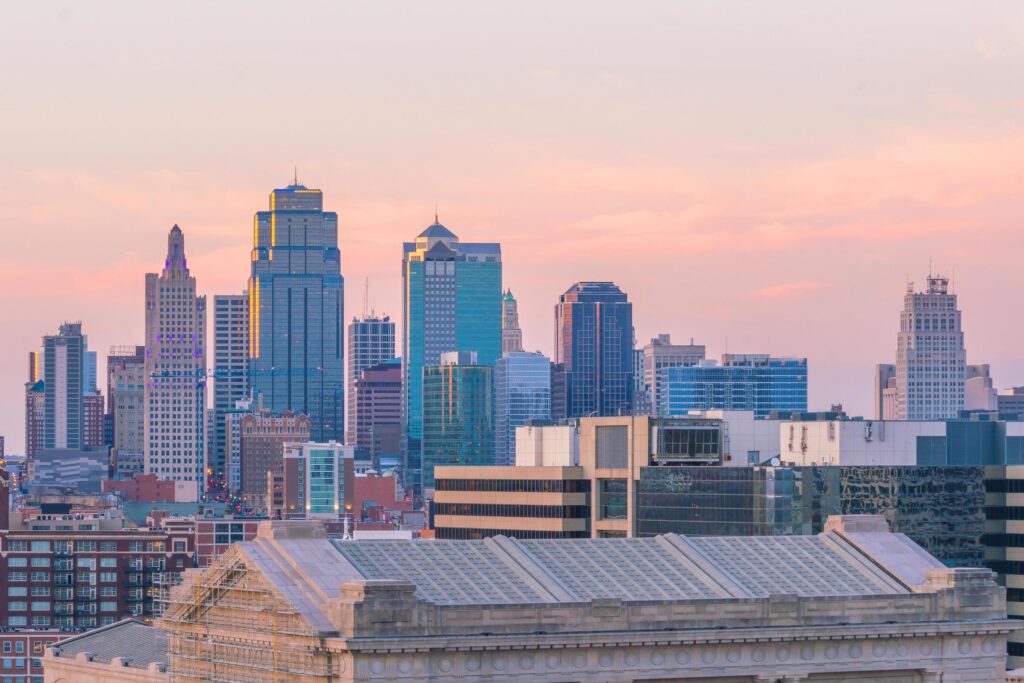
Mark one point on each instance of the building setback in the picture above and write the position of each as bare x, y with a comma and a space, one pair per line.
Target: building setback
511, 334
451, 302
593, 351
371, 341
296, 309
175, 393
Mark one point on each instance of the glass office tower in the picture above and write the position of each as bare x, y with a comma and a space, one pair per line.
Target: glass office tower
522, 392
742, 382
451, 301
296, 307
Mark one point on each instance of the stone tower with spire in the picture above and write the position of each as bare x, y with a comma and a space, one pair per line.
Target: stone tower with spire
174, 397
511, 334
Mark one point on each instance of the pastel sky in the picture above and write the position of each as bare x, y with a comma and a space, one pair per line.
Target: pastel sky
762, 175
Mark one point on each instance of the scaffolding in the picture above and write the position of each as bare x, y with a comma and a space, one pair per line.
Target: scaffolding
229, 625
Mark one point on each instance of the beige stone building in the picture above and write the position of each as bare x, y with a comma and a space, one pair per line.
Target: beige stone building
855, 603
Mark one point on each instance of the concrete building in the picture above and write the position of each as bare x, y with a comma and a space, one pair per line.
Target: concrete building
511, 334
659, 355
855, 603
1011, 401
593, 351
230, 374
371, 341
175, 371
126, 383
63, 384
885, 391
522, 392
316, 479
297, 311
746, 439
128, 651
81, 469
930, 354
458, 414
93, 427
377, 412
35, 419
262, 439
451, 302
547, 445
979, 391
756, 382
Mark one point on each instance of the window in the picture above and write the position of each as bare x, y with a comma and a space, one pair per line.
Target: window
86, 562
17, 561
108, 606
108, 577
108, 546
18, 546
612, 445
40, 561
40, 591
17, 591
753, 457
108, 562
40, 547
17, 621
39, 620
19, 646
40, 606
87, 546
612, 499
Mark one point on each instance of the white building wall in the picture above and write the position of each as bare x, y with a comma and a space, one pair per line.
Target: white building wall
547, 446
854, 442
747, 437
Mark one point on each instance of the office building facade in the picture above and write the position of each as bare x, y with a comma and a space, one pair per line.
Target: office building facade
126, 385
378, 409
511, 333
64, 387
451, 302
296, 311
371, 341
458, 414
522, 392
262, 437
930, 354
594, 351
174, 397
316, 478
756, 382
230, 374
659, 355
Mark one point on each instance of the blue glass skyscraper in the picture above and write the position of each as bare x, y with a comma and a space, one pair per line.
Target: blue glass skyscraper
296, 308
754, 382
522, 392
451, 301
593, 351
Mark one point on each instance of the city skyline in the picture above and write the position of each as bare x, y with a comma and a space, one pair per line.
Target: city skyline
862, 166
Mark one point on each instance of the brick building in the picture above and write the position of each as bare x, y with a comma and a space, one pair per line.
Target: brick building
262, 440
142, 488
21, 654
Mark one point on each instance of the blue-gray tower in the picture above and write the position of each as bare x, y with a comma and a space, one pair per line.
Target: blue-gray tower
451, 301
296, 308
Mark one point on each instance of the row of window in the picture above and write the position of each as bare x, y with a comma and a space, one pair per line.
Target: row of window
498, 510
515, 485
478, 534
83, 546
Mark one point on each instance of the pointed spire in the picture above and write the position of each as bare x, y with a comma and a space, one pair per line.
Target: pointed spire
436, 221
295, 177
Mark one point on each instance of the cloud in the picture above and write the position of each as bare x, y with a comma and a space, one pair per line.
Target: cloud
788, 290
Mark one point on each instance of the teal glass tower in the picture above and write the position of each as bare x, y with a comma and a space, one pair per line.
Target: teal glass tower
458, 414
296, 308
451, 301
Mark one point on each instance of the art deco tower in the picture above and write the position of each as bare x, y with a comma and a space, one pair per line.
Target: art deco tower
511, 333
175, 371
296, 308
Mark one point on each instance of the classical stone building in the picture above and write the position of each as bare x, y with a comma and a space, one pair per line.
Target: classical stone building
129, 651
855, 603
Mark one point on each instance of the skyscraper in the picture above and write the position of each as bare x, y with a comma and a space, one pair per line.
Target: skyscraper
126, 383
930, 354
756, 382
378, 408
458, 414
175, 393
35, 406
661, 354
451, 301
93, 406
511, 334
230, 371
594, 350
64, 381
296, 308
522, 392
371, 341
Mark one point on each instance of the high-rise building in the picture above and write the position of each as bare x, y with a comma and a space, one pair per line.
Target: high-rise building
35, 407
261, 447
296, 309
885, 391
594, 350
979, 390
1011, 401
371, 341
451, 301
378, 407
756, 382
126, 384
317, 480
661, 354
930, 354
511, 334
89, 379
230, 372
174, 396
64, 381
522, 392
93, 411
458, 414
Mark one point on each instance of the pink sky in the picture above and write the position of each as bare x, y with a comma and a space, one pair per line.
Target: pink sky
762, 175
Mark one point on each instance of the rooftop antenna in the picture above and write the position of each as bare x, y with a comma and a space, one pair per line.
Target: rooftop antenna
366, 297
436, 222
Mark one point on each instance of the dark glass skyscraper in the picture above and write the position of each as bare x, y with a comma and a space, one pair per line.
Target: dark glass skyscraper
451, 301
594, 351
296, 307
